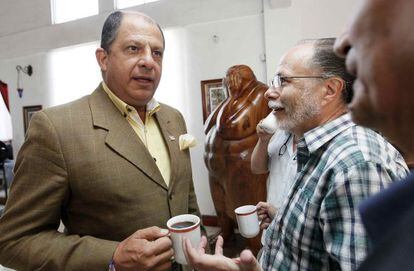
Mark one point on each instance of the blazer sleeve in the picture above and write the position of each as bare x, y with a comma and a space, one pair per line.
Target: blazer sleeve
29, 239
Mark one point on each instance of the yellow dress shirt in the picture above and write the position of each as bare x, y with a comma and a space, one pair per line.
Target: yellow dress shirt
148, 131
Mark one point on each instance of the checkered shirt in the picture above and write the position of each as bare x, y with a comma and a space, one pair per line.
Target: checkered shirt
318, 227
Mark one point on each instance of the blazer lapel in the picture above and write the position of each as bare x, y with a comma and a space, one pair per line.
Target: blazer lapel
171, 137
121, 138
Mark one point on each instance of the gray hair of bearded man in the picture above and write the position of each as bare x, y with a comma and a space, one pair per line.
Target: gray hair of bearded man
331, 65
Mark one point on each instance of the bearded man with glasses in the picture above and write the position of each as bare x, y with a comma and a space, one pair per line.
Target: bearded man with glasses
339, 164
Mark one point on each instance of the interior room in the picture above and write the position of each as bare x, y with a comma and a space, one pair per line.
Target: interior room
47, 55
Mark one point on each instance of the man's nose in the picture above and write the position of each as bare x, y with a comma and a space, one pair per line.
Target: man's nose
342, 45
272, 93
146, 59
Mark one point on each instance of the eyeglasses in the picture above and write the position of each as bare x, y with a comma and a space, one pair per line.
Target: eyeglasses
279, 80
283, 148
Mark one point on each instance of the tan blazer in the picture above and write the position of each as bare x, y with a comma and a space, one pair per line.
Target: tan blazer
83, 163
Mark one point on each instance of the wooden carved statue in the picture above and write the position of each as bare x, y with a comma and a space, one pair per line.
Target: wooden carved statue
231, 137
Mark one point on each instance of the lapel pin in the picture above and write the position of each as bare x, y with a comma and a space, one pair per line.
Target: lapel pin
172, 138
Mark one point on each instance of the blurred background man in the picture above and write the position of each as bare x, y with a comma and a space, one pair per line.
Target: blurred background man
379, 50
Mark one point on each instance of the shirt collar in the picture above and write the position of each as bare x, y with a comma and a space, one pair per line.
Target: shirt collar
125, 109
319, 136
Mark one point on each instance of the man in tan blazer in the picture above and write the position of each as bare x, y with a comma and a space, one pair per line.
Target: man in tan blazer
98, 165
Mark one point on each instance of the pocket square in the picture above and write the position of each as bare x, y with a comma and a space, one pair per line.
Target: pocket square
186, 141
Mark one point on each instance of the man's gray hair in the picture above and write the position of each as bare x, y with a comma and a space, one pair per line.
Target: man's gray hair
331, 65
110, 29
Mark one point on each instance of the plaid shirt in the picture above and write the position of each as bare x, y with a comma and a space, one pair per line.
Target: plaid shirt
318, 227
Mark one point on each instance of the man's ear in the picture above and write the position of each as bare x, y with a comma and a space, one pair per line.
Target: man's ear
101, 57
333, 88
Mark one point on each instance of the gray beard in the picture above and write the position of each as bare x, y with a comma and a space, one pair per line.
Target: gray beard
307, 109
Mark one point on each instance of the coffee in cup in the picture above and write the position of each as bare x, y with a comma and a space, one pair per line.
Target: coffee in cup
184, 226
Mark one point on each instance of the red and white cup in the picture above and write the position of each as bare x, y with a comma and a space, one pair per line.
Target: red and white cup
191, 232
247, 220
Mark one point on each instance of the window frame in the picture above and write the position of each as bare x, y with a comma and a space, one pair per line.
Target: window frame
116, 3
54, 20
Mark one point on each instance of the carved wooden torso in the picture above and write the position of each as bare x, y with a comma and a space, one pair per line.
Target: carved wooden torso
231, 137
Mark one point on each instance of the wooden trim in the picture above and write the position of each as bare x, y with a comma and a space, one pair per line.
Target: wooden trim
209, 220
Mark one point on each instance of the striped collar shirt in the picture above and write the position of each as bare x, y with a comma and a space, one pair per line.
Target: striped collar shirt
318, 227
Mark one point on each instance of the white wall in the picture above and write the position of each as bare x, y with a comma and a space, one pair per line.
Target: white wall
26, 37
288, 21
240, 41
36, 89
48, 86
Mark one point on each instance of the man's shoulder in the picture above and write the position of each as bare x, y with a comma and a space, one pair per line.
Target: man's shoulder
372, 145
72, 112
357, 145
79, 104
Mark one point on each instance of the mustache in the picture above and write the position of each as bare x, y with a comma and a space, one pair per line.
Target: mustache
274, 104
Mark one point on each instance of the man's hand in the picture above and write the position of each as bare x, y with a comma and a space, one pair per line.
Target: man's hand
248, 262
146, 249
200, 261
266, 213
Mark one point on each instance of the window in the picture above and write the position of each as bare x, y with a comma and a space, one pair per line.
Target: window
119, 4
172, 89
74, 72
69, 10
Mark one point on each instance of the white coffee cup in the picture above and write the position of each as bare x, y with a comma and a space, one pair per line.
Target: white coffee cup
184, 226
247, 220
